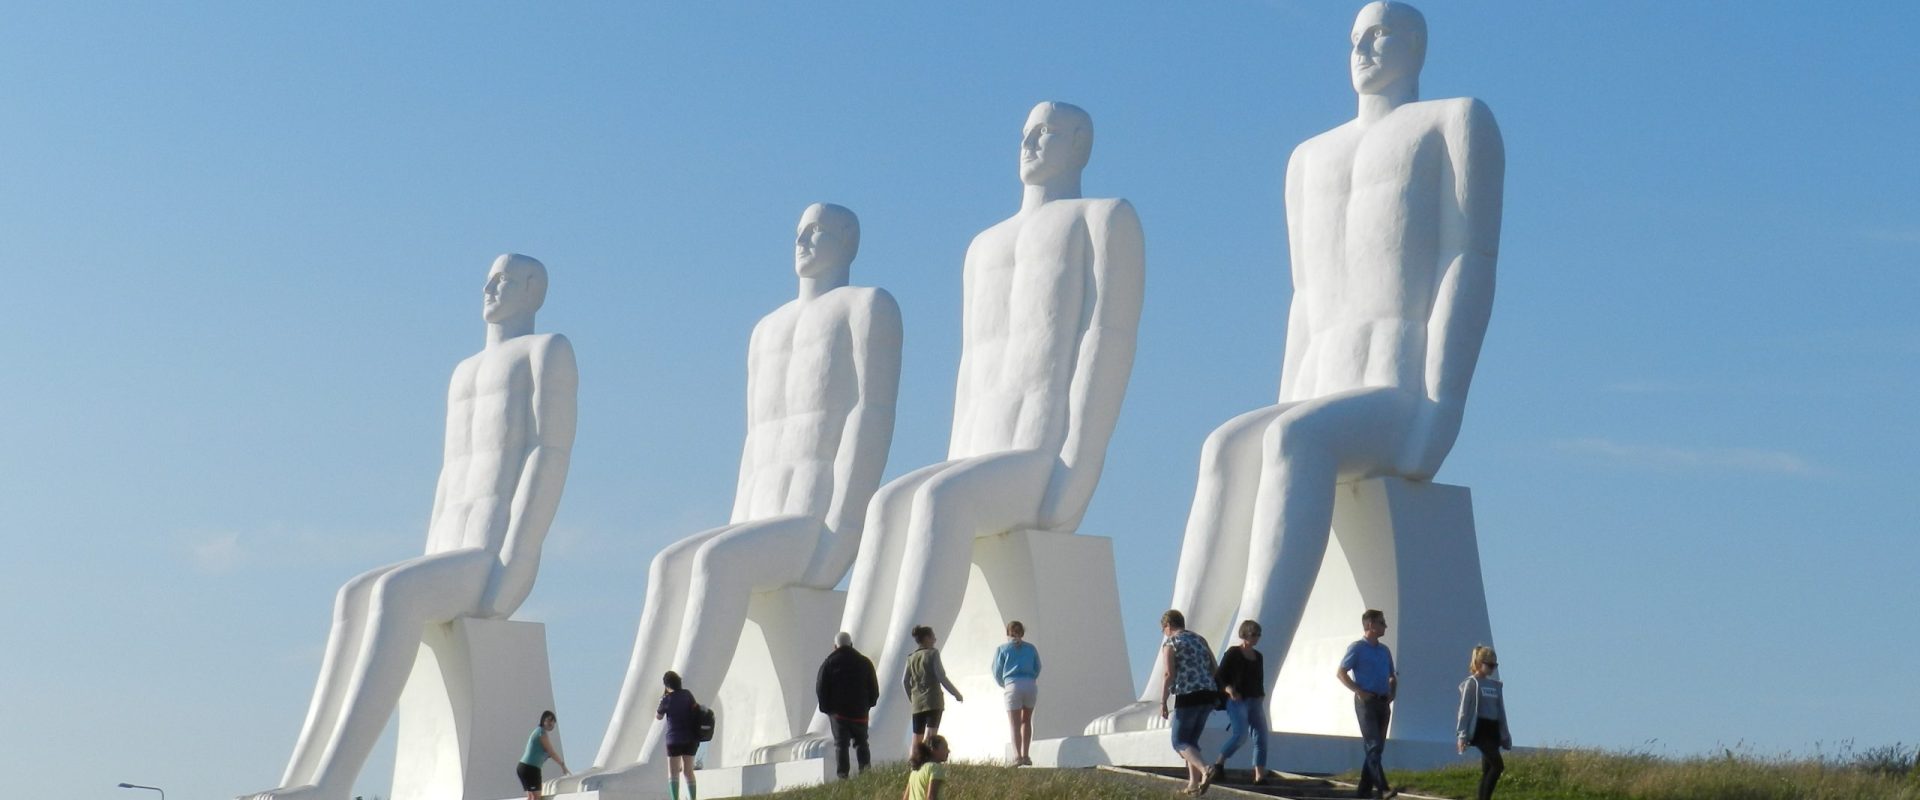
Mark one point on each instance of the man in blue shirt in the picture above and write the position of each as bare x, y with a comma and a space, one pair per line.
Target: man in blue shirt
1367, 671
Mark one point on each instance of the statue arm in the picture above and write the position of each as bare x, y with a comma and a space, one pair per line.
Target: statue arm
1297, 327
868, 432
556, 383
1104, 360
742, 494
962, 389
1463, 296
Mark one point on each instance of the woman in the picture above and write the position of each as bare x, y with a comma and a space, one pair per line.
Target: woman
1483, 718
1016, 667
1243, 677
1186, 667
927, 770
683, 733
924, 679
539, 749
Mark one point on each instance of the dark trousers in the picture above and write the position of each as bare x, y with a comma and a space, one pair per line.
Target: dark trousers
847, 731
1374, 715
1486, 737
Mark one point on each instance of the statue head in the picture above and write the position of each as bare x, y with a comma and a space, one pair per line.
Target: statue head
826, 241
1389, 47
516, 285
1056, 142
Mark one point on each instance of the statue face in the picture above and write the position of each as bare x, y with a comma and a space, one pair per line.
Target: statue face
1386, 49
1049, 145
822, 242
509, 292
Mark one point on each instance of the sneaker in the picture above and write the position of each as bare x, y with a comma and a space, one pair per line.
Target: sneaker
1214, 772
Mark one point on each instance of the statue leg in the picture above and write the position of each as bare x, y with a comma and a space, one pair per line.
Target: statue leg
971, 498
343, 651
727, 568
398, 603
1305, 452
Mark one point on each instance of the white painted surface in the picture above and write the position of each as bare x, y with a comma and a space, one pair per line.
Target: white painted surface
476, 693
509, 436
769, 692
1393, 224
823, 372
1051, 305
1291, 752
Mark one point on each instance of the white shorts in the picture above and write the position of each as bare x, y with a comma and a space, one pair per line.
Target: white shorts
1022, 693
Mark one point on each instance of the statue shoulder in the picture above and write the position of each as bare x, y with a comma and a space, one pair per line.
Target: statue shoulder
872, 309
1456, 112
551, 355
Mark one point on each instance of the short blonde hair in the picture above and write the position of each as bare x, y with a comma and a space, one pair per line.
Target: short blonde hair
1482, 654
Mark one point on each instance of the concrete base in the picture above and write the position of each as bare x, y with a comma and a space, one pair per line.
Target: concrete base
1062, 587
768, 694
1303, 753
743, 781
1436, 609
476, 692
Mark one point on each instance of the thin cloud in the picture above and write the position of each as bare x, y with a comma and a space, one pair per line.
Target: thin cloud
1893, 235
1651, 387
218, 554
1739, 459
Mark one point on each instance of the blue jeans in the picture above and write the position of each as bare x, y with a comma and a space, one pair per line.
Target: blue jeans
1243, 717
1188, 724
1375, 715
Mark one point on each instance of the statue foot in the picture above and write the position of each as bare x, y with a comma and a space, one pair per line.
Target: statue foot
567, 784
1139, 716
631, 778
799, 748
294, 793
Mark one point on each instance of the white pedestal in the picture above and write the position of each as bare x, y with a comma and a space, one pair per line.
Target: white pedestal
476, 692
1408, 549
1062, 587
768, 695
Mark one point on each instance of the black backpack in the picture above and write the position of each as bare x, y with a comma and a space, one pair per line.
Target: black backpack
703, 722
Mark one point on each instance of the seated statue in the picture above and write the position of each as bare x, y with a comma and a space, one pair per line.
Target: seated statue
1393, 225
510, 422
1051, 303
823, 372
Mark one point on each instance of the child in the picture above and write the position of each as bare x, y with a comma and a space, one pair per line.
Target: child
929, 765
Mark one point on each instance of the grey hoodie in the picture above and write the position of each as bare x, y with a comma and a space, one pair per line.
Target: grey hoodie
1481, 698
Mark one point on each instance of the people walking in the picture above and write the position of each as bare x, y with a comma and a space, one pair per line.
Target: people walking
1186, 662
847, 689
1482, 721
1016, 668
924, 678
1242, 676
539, 749
1367, 671
678, 708
927, 770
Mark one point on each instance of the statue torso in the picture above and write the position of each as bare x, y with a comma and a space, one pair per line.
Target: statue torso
801, 387
490, 432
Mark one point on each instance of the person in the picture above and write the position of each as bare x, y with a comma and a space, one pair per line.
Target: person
847, 688
509, 437
1243, 678
927, 769
1367, 671
923, 679
1393, 226
1186, 671
823, 372
1016, 668
1482, 721
539, 749
681, 714
1051, 307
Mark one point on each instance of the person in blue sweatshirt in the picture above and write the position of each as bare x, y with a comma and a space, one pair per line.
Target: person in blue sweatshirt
1016, 667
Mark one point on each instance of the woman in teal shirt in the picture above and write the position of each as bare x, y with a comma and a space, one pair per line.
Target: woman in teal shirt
539, 749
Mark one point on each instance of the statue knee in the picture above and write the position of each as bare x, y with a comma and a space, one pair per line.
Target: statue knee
1290, 439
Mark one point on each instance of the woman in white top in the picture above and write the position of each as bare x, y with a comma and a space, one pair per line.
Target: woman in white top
1482, 721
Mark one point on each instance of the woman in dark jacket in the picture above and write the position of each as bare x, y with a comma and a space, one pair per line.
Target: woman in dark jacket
683, 733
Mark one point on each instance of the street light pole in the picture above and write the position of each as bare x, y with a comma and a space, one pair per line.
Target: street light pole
163, 792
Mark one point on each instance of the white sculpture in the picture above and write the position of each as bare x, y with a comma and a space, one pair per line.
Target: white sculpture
823, 372
510, 424
1393, 226
1051, 303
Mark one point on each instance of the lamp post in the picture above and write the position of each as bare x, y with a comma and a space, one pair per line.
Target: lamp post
163, 792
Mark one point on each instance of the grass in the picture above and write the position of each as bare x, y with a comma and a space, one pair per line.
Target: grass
981, 781
1878, 774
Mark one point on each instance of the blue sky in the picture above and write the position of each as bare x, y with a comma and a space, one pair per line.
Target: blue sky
247, 241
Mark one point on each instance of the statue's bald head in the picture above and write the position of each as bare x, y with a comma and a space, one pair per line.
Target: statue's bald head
1057, 139
516, 284
1389, 45
826, 240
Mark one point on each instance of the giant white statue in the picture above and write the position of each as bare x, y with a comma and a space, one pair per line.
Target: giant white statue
1393, 226
1050, 309
823, 372
510, 424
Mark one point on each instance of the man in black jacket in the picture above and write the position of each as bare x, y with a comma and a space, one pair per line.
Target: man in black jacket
847, 689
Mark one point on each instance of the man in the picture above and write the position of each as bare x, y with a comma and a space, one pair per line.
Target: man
823, 371
1393, 226
510, 424
1051, 303
847, 689
1367, 671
